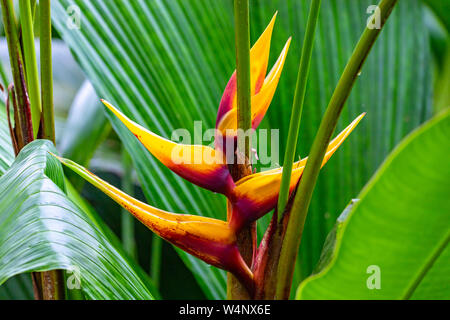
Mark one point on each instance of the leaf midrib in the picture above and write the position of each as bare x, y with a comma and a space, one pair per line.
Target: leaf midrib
423, 271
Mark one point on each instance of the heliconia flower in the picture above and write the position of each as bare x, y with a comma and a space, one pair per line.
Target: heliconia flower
251, 197
212, 240
201, 165
262, 88
208, 239
257, 194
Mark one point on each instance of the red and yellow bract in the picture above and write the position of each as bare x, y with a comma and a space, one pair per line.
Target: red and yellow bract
213, 240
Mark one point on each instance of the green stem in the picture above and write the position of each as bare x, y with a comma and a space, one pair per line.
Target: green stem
303, 196
235, 289
155, 266
48, 117
128, 239
32, 75
24, 130
242, 34
297, 105
33, 9
3, 76
435, 254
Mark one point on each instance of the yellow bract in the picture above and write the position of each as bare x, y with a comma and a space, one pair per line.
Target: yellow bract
259, 192
260, 101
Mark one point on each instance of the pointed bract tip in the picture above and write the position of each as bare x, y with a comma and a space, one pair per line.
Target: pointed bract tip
56, 156
272, 22
359, 118
112, 108
106, 103
60, 159
288, 42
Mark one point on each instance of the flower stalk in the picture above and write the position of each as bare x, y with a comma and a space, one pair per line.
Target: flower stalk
242, 36
53, 288
266, 266
155, 262
246, 237
297, 105
48, 117
127, 221
303, 196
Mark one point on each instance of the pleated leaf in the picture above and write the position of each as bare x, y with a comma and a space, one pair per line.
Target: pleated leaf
6, 149
42, 229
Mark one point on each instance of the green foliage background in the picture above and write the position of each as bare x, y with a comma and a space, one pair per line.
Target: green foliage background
165, 64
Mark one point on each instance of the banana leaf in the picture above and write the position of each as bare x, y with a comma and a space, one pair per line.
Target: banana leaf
394, 242
42, 229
